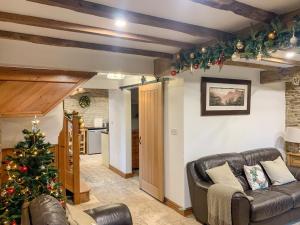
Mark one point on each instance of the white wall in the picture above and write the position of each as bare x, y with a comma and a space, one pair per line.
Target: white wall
51, 124
220, 134
173, 141
120, 130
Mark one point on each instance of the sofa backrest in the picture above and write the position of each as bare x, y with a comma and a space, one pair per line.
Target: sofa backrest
235, 161
46, 210
253, 157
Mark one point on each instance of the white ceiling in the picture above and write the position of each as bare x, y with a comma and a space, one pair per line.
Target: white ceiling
179, 10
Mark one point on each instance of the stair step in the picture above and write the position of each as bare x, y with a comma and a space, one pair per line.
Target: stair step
84, 192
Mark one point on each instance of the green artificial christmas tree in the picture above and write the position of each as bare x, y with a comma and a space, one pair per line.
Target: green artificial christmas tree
30, 173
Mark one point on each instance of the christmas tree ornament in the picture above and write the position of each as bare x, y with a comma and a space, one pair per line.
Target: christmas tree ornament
42, 167
82, 125
23, 169
196, 66
81, 120
173, 73
13, 222
10, 190
177, 56
192, 55
235, 56
294, 39
35, 153
272, 35
209, 63
203, 50
240, 45
259, 55
3, 193
8, 167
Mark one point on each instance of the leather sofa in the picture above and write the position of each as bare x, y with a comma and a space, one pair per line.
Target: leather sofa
277, 205
46, 210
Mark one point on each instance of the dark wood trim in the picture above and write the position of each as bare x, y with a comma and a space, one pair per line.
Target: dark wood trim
37, 39
43, 72
120, 173
66, 26
280, 75
205, 80
105, 11
240, 8
184, 212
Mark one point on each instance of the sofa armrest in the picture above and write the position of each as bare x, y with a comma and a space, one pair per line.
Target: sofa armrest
116, 214
240, 209
295, 171
198, 192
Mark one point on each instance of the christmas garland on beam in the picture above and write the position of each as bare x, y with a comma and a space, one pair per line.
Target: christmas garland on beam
259, 44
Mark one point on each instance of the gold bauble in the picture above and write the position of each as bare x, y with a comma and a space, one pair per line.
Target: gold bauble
82, 125
240, 45
81, 120
192, 55
272, 35
203, 50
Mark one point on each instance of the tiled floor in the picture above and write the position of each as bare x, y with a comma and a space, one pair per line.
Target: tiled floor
108, 187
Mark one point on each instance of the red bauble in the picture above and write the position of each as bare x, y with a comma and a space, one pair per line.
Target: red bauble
10, 190
173, 73
13, 222
49, 187
23, 169
196, 66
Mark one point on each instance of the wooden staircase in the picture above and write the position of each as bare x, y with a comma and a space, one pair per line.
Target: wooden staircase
29, 92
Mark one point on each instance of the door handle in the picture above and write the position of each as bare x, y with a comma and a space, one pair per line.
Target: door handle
140, 140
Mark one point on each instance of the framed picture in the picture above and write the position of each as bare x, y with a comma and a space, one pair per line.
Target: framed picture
225, 96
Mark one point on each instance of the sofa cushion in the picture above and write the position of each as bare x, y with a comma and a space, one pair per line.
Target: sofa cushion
235, 161
223, 175
256, 177
267, 203
291, 189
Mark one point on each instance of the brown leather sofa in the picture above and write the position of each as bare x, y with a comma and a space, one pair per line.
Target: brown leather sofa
277, 205
46, 210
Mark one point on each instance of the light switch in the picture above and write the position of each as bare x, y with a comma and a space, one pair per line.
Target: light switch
173, 131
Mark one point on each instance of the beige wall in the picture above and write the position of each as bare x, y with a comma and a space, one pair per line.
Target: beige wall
50, 124
97, 109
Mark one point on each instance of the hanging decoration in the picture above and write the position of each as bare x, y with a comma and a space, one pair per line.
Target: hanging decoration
257, 45
84, 101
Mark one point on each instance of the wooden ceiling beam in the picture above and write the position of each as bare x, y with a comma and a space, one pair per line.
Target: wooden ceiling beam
280, 75
105, 11
72, 27
251, 65
37, 39
240, 8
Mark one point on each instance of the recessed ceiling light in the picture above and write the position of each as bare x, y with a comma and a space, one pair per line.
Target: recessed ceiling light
290, 55
120, 23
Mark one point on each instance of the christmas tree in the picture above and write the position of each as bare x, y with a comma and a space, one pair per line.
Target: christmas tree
30, 173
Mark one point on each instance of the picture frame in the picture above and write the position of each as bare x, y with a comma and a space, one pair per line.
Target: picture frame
220, 96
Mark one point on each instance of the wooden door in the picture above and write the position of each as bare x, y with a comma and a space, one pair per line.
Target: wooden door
151, 140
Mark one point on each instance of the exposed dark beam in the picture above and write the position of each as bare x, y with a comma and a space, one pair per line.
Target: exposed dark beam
79, 44
66, 26
280, 75
105, 11
239, 8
